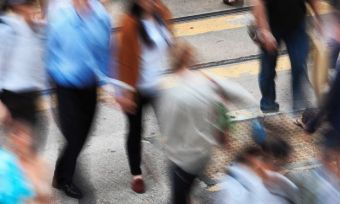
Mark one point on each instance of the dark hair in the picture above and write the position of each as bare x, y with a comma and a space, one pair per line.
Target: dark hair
277, 148
331, 139
8, 4
250, 151
3, 6
137, 11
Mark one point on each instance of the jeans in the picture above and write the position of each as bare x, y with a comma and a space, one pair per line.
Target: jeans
76, 110
297, 46
135, 128
182, 183
334, 47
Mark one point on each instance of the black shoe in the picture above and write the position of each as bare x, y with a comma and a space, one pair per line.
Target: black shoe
69, 189
270, 109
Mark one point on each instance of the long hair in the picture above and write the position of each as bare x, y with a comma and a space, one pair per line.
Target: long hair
137, 11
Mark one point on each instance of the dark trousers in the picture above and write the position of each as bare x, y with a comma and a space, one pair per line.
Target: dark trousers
182, 183
297, 46
21, 105
334, 48
135, 129
76, 110
330, 109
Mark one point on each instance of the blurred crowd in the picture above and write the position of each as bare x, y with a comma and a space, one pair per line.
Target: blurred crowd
68, 47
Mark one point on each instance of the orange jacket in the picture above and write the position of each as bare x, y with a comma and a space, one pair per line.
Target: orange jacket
129, 47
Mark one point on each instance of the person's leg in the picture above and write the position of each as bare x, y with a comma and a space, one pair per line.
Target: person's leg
76, 110
87, 110
297, 47
134, 137
134, 143
182, 183
266, 81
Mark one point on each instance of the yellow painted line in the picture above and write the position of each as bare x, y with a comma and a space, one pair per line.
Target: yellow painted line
235, 70
248, 68
220, 23
210, 25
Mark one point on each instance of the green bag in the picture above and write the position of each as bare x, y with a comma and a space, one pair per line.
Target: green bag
224, 121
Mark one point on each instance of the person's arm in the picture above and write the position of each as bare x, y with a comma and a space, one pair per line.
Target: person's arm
128, 56
234, 92
52, 48
43, 7
101, 41
261, 20
259, 12
5, 116
315, 6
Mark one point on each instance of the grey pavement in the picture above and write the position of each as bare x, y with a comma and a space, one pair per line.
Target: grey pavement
103, 163
103, 168
179, 8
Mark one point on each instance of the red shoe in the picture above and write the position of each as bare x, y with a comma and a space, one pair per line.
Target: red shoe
137, 185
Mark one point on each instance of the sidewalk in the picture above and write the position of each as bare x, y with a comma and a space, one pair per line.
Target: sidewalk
104, 166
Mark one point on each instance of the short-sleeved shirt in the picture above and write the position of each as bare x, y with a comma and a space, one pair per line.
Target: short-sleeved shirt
285, 15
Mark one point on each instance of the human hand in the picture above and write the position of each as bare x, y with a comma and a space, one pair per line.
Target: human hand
268, 41
127, 102
5, 116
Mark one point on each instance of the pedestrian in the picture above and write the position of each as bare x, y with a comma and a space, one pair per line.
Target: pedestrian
14, 186
22, 74
78, 47
253, 177
35, 173
277, 21
321, 185
334, 41
329, 109
143, 45
189, 120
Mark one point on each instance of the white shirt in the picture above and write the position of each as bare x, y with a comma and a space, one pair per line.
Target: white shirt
328, 186
54, 6
21, 57
243, 186
186, 117
153, 59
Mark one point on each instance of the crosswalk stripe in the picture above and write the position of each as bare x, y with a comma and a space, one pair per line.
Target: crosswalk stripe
235, 70
227, 22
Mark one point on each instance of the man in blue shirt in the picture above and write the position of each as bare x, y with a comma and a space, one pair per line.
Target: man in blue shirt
78, 47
